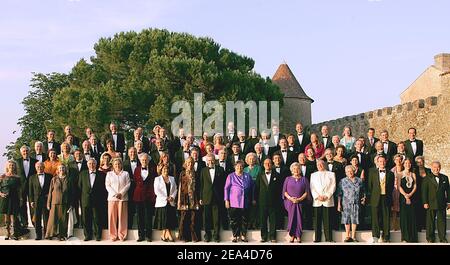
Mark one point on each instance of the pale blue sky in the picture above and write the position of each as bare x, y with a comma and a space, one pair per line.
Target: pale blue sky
350, 56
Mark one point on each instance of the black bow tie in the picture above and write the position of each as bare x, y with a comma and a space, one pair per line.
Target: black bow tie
412, 141
267, 173
283, 151
385, 142
42, 174
93, 172
324, 136
382, 171
50, 142
300, 134
133, 161
26, 159
144, 168
211, 168
79, 162
114, 134
187, 152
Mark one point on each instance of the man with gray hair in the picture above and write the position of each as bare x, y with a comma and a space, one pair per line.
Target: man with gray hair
91, 185
38, 152
436, 200
25, 169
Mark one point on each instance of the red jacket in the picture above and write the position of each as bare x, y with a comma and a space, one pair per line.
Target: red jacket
143, 190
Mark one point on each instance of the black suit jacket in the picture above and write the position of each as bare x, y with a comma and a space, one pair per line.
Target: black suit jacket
370, 149
232, 160
120, 141
309, 169
284, 172
305, 141
329, 142
364, 163
338, 170
24, 179
261, 160
435, 195
44, 156
56, 146
290, 158
37, 194
212, 192
409, 151
247, 147
268, 194
228, 167
375, 189
94, 196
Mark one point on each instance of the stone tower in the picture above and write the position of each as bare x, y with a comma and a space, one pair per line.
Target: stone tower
297, 105
432, 82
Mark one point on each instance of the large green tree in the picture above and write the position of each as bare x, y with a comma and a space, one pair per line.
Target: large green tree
134, 77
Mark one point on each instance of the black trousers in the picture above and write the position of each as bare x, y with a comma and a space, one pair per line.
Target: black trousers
323, 215
268, 213
441, 224
381, 217
307, 215
132, 208
23, 212
238, 221
145, 212
211, 220
40, 214
92, 222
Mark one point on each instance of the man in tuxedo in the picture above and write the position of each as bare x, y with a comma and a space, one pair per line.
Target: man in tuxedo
436, 200
284, 172
302, 139
38, 189
116, 137
51, 143
339, 173
130, 165
144, 197
267, 196
362, 157
38, 153
260, 156
145, 142
212, 183
75, 167
413, 146
389, 147
178, 141
158, 150
87, 132
67, 132
265, 144
243, 143
323, 186
224, 162
181, 155
381, 185
91, 185
326, 138
287, 156
275, 137
292, 147
86, 149
307, 213
231, 136
370, 141
25, 169
236, 154
96, 148
198, 163
379, 151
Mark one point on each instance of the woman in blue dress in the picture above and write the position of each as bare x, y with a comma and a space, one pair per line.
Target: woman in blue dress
351, 194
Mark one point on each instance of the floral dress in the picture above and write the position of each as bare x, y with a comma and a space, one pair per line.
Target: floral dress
351, 193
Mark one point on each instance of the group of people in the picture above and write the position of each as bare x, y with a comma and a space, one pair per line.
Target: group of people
270, 181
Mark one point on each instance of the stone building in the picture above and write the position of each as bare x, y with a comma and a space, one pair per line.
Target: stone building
297, 105
431, 83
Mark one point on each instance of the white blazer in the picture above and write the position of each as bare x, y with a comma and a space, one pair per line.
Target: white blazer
161, 192
117, 184
323, 183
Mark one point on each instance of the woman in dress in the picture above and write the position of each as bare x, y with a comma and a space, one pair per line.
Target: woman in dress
340, 155
52, 163
295, 192
347, 139
117, 184
205, 140
421, 172
188, 202
110, 149
253, 169
408, 188
165, 216
218, 143
359, 171
238, 195
316, 145
65, 157
59, 203
164, 160
10, 199
69, 140
395, 209
351, 194
311, 159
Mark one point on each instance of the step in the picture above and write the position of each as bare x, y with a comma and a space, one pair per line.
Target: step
364, 237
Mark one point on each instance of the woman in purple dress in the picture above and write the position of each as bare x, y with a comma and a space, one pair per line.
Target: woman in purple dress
295, 191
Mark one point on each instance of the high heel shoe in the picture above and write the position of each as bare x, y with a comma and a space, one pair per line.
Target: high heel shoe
292, 240
163, 239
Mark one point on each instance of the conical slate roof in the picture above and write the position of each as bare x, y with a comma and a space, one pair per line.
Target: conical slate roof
288, 84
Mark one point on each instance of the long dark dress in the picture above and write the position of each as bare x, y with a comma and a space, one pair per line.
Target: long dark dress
165, 217
188, 205
408, 224
10, 205
295, 188
420, 211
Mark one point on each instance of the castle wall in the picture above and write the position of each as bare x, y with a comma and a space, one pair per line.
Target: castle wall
431, 117
427, 85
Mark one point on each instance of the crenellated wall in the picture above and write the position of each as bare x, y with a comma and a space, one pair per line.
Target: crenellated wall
431, 117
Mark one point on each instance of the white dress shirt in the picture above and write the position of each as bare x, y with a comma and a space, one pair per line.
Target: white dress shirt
133, 166
300, 138
303, 168
26, 166
414, 147
92, 178
115, 141
41, 179
144, 174
325, 141
385, 147
268, 177
212, 174
39, 158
